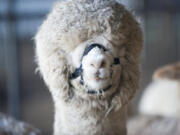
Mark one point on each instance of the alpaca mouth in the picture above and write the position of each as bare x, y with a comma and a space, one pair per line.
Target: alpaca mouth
100, 91
98, 79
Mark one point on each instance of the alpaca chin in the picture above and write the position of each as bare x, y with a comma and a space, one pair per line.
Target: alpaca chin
98, 84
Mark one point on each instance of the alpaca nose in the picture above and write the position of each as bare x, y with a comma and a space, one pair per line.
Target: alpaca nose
97, 73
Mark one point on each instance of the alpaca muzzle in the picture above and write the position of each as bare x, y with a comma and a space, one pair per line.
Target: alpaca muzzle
79, 71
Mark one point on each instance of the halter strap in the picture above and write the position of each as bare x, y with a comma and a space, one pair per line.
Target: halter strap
89, 48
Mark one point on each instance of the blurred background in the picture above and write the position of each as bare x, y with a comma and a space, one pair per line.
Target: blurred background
23, 94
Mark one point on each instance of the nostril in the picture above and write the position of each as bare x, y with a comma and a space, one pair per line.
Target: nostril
97, 74
92, 65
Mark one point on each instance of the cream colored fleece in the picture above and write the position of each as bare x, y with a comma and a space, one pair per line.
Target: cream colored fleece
71, 27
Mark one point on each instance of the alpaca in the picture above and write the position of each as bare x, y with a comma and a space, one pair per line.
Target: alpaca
88, 53
162, 96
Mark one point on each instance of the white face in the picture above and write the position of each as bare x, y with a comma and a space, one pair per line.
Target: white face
97, 70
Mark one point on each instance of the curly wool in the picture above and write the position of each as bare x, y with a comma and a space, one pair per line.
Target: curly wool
71, 27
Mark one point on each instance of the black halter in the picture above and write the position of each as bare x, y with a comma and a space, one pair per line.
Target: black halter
78, 71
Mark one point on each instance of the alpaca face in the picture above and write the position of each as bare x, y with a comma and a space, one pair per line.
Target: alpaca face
97, 69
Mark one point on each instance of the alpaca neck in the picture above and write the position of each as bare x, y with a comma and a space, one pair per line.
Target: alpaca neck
81, 120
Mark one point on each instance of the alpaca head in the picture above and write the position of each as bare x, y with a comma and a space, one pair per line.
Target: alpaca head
88, 48
165, 85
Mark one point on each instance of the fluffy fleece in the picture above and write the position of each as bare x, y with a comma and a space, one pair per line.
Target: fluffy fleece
162, 96
69, 29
